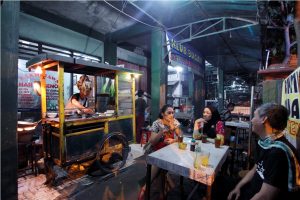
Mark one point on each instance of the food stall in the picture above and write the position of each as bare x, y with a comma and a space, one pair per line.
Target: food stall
77, 138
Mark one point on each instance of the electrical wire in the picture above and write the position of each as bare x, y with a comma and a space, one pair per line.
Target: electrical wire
121, 11
129, 15
123, 6
150, 16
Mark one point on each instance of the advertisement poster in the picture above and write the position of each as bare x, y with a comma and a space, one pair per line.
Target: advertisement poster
291, 100
29, 91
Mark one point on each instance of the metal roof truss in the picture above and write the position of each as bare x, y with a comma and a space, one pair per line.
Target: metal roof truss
218, 25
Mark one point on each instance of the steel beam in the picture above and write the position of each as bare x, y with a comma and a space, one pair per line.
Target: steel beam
216, 21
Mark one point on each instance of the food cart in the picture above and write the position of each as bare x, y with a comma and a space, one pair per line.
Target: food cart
76, 139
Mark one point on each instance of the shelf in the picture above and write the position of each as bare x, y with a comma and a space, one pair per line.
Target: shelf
279, 73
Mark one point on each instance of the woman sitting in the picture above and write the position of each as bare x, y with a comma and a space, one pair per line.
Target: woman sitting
163, 133
164, 129
210, 125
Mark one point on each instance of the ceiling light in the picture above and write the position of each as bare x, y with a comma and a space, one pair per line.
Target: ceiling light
38, 70
170, 67
179, 69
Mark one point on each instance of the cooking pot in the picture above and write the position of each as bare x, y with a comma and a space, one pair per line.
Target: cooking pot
25, 131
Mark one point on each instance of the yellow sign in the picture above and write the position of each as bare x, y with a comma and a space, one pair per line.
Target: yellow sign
291, 100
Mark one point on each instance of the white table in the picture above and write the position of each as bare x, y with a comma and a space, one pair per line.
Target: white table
181, 162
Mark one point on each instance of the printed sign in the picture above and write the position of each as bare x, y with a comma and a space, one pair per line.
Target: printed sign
29, 91
184, 54
291, 100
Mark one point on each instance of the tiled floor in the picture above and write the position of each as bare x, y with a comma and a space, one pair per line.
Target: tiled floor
32, 187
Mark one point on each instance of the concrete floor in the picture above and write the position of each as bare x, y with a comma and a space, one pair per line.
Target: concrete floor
119, 186
122, 186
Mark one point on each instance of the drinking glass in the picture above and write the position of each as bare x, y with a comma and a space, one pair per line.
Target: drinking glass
204, 157
180, 138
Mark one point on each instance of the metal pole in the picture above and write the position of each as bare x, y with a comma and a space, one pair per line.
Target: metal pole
267, 59
250, 125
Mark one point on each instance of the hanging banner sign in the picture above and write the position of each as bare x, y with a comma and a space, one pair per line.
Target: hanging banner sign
184, 54
291, 100
29, 91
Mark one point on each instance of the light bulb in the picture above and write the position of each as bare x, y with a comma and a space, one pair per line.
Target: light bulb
38, 70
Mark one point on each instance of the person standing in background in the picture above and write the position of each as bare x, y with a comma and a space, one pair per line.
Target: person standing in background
140, 107
226, 114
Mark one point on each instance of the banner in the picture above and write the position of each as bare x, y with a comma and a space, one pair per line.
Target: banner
291, 100
28, 96
184, 54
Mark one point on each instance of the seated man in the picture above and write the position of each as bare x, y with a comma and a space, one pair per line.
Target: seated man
276, 172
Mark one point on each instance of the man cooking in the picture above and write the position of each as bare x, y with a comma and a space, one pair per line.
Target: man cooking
79, 101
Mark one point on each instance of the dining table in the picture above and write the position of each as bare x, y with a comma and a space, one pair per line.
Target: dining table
181, 162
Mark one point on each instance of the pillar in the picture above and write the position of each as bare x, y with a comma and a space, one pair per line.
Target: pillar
110, 51
9, 79
158, 72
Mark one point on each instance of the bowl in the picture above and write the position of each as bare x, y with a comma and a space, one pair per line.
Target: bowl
51, 114
182, 145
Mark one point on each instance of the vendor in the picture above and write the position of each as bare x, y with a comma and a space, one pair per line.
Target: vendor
79, 101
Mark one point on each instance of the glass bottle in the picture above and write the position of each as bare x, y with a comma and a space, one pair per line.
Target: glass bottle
193, 145
197, 161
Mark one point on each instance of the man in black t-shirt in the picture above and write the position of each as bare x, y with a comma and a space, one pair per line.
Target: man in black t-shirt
274, 174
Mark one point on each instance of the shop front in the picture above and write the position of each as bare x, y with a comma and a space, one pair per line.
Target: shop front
185, 77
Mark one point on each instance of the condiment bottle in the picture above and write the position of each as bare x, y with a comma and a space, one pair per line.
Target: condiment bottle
193, 144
